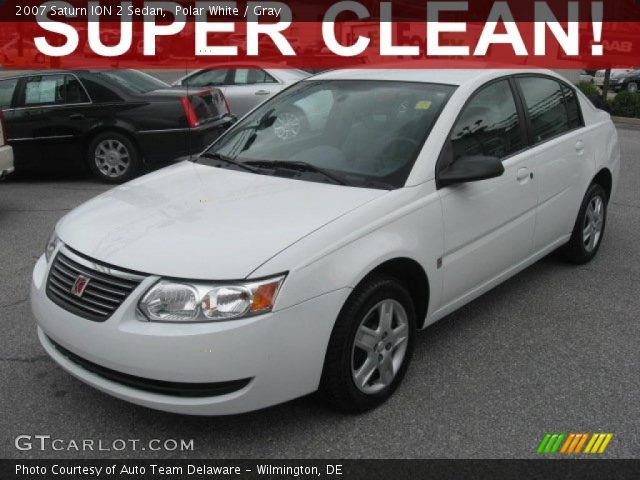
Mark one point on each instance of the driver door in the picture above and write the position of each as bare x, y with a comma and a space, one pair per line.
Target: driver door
488, 224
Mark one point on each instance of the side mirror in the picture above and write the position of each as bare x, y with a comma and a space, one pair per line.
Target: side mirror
471, 169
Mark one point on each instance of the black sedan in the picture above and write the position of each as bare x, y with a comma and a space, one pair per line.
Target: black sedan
629, 81
113, 121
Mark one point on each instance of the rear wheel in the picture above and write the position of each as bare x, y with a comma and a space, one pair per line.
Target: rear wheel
589, 227
632, 87
370, 346
112, 157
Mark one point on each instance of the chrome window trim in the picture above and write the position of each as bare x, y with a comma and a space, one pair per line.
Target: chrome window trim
28, 139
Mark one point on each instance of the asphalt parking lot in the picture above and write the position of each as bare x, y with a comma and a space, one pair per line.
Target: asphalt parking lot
555, 349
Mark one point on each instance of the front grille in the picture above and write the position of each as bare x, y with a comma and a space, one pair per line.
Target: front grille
176, 389
104, 293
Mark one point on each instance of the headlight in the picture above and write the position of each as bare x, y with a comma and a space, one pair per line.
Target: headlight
169, 301
52, 244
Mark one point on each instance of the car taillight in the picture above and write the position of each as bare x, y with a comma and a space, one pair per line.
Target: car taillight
3, 127
190, 113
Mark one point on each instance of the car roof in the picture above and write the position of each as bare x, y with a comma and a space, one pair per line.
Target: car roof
456, 77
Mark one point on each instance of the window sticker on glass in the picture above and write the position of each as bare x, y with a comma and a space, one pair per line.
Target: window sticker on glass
41, 92
423, 105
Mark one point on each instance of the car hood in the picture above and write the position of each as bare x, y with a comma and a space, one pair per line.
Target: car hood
200, 222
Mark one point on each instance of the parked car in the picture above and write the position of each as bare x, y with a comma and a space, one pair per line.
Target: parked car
12, 52
585, 76
244, 85
269, 268
598, 79
627, 81
113, 121
6, 152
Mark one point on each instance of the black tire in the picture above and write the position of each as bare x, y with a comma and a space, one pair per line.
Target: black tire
337, 385
578, 250
632, 87
123, 169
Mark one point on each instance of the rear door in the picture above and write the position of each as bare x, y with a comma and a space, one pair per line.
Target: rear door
249, 87
560, 147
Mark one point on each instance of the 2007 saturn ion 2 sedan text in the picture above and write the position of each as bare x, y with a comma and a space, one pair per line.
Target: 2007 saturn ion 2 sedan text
275, 265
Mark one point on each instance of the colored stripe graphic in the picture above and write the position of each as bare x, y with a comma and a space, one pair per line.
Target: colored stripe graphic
598, 443
551, 442
572, 443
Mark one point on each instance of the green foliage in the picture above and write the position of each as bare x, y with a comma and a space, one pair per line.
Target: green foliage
626, 104
589, 89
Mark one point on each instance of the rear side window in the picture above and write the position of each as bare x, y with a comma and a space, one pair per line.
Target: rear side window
544, 100
489, 124
53, 90
573, 108
249, 76
44, 90
7, 88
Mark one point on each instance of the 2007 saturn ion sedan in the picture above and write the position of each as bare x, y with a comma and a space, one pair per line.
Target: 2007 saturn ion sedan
275, 265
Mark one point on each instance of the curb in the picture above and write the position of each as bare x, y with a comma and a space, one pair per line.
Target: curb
626, 122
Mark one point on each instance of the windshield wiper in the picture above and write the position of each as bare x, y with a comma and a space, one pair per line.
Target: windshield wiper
229, 160
299, 166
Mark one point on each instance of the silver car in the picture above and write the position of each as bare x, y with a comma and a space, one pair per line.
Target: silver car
244, 85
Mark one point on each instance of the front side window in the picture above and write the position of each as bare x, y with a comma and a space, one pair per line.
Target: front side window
7, 89
360, 133
545, 102
489, 124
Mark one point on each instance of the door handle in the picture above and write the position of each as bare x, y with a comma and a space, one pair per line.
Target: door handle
523, 175
580, 147
76, 116
263, 92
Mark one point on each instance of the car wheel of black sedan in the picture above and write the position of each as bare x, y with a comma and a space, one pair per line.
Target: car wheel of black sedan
112, 157
632, 87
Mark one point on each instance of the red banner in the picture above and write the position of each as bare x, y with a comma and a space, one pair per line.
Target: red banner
496, 34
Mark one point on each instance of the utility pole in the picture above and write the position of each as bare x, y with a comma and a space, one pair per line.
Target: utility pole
605, 85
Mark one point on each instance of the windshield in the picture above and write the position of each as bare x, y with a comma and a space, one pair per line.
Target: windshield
133, 81
358, 133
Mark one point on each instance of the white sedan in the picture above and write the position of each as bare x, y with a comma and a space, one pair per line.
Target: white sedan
270, 267
6, 151
244, 85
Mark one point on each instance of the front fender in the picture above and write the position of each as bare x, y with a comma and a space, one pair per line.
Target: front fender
407, 223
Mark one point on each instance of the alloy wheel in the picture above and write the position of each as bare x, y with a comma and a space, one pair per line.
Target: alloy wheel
593, 223
380, 346
112, 158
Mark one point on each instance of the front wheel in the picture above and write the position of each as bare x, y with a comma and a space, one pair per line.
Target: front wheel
589, 227
632, 87
112, 157
370, 346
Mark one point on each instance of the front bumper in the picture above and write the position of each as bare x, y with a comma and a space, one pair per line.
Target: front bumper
281, 353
